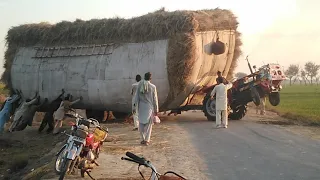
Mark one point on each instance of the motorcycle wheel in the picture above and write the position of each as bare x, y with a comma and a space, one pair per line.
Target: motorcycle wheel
65, 168
97, 152
60, 160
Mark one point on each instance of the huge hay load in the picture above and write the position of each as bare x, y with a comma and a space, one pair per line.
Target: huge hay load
99, 59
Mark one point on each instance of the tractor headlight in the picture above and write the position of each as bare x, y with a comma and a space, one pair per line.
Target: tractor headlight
280, 87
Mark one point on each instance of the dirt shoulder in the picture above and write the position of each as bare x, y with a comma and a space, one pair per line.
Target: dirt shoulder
170, 150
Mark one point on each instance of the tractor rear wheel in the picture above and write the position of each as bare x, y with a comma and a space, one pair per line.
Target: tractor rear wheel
238, 113
255, 96
209, 107
274, 98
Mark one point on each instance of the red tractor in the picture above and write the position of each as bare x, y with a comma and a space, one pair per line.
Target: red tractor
264, 82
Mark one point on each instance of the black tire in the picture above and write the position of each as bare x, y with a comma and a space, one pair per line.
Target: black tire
95, 114
120, 115
65, 168
209, 108
255, 96
274, 98
238, 113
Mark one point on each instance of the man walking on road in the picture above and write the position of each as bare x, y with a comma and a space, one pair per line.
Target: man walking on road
133, 92
146, 104
220, 91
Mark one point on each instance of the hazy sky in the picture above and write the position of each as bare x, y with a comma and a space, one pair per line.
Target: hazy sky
284, 31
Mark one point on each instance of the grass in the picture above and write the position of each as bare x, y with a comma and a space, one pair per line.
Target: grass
299, 103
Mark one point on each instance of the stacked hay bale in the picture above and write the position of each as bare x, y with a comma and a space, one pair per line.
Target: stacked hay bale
178, 26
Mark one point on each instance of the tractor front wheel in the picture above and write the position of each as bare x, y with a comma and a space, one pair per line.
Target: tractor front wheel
274, 98
238, 113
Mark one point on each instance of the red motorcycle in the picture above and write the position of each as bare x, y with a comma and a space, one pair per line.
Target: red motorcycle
82, 147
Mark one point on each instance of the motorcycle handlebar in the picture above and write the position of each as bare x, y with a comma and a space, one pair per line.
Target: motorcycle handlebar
136, 158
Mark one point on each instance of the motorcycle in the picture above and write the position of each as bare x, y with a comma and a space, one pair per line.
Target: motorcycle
155, 175
83, 143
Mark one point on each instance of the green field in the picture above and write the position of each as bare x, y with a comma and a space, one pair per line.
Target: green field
300, 103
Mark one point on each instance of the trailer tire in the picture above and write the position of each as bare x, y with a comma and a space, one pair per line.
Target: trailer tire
95, 114
120, 115
274, 98
238, 113
255, 96
209, 108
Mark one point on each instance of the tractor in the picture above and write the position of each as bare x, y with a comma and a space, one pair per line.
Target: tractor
264, 82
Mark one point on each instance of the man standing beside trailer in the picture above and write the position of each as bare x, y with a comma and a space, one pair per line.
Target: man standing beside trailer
6, 110
146, 104
133, 92
22, 109
220, 91
48, 117
59, 114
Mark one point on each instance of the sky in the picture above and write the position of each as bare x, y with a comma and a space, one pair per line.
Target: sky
273, 31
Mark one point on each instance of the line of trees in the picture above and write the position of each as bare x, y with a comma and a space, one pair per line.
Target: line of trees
308, 74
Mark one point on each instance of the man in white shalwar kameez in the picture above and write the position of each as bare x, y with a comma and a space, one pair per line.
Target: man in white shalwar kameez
146, 104
135, 113
220, 91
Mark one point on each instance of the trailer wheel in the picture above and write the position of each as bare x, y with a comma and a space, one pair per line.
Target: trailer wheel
274, 98
120, 115
255, 96
238, 113
209, 108
95, 114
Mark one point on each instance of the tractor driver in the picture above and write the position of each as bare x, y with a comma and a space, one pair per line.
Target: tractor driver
220, 76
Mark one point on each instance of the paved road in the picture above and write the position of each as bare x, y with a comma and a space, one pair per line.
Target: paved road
248, 150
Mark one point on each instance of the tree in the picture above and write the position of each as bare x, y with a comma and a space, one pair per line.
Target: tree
303, 75
240, 75
311, 70
317, 80
292, 71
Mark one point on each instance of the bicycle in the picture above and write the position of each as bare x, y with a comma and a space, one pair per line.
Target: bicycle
154, 175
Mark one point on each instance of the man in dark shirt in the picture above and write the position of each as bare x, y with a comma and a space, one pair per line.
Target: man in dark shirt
220, 75
48, 117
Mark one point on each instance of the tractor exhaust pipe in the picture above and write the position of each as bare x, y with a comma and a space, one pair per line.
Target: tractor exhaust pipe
249, 65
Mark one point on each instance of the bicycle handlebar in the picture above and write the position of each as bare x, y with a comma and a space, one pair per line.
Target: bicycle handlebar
136, 158
128, 159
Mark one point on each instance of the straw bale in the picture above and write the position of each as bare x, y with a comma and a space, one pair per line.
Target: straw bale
177, 26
